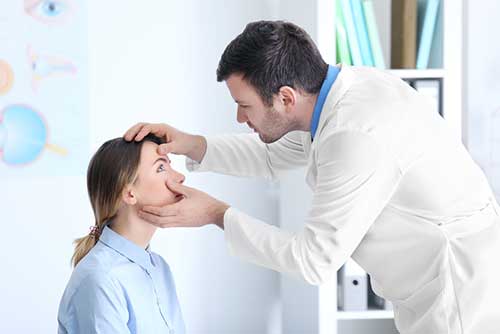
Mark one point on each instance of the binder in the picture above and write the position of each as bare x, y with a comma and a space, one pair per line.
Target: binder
427, 12
403, 33
373, 34
343, 55
431, 90
362, 32
375, 301
352, 37
353, 287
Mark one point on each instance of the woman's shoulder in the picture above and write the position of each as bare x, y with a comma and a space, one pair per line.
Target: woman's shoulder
95, 268
87, 276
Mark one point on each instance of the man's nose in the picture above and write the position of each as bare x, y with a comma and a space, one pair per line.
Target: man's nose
241, 116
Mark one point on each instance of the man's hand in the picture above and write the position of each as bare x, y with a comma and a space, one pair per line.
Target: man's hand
176, 142
196, 209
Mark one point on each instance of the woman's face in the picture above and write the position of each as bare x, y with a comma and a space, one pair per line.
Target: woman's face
154, 170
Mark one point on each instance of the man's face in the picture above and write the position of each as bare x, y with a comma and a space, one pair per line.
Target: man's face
269, 122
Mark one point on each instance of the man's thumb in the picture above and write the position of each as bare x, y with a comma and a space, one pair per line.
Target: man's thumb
164, 149
177, 187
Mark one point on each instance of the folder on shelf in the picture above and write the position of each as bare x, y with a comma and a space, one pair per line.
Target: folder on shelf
436, 54
427, 16
353, 287
373, 34
343, 55
403, 33
362, 32
375, 301
352, 37
430, 88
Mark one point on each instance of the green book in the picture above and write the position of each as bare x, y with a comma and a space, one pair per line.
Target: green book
343, 55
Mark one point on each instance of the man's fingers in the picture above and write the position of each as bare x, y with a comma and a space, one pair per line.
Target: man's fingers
164, 149
162, 211
132, 132
178, 188
145, 130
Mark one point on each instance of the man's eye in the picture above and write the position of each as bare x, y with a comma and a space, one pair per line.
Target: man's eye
161, 168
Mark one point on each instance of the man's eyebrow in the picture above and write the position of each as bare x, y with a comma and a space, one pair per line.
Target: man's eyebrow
161, 159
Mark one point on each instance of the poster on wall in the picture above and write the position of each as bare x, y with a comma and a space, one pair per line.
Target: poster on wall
43, 88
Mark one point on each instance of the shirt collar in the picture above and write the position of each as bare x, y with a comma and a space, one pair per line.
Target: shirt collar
331, 75
127, 248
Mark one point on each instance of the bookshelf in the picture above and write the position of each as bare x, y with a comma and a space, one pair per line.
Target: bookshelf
370, 314
308, 309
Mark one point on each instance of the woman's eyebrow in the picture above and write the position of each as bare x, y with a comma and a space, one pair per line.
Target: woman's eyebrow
161, 159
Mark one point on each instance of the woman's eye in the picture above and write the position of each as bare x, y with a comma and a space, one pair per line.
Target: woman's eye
161, 168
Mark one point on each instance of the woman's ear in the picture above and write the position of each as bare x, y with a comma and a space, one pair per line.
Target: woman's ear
128, 195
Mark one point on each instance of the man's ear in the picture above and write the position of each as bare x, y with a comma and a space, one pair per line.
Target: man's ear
128, 196
287, 96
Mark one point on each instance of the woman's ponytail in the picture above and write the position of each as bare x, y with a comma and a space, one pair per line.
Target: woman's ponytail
82, 247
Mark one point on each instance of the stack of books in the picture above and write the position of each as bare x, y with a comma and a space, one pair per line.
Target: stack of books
413, 33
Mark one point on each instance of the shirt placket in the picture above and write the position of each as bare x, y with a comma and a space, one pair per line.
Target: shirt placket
159, 304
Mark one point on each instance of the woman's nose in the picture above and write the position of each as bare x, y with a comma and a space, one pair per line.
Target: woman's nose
177, 177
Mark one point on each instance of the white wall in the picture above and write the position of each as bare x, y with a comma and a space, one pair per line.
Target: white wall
482, 87
149, 61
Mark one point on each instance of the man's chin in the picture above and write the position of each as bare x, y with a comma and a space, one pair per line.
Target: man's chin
267, 140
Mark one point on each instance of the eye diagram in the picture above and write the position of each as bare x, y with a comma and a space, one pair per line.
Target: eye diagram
48, 11
23, 135
6, 77
43, 66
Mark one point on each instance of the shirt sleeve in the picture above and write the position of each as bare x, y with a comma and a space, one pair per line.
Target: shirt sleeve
246, 155
356, 177
100, 307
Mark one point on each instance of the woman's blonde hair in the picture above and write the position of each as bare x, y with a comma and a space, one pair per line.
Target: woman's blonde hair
111, 169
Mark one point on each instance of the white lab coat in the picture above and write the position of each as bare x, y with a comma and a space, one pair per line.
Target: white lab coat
394, 189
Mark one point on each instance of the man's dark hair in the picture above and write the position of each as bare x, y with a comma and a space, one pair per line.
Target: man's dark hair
272, 54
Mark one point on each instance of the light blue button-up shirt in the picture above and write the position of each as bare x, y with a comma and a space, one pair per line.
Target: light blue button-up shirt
119, 287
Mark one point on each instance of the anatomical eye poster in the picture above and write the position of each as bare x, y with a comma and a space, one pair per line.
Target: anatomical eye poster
43, 87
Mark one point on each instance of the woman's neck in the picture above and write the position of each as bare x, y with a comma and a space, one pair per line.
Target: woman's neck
131, 227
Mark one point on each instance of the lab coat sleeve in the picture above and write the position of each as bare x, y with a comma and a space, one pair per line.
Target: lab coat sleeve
100, 307
356, 179
246, 155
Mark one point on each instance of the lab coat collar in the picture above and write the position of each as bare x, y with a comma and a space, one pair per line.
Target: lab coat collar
128, 249
331, 75
342, 83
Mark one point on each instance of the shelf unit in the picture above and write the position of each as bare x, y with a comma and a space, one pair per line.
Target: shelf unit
308, 309
361, 315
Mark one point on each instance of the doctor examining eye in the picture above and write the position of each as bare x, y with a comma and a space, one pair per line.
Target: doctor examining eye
393, 188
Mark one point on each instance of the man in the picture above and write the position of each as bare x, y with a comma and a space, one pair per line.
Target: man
392, 187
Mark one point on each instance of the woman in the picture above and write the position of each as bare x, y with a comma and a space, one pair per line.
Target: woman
119, 285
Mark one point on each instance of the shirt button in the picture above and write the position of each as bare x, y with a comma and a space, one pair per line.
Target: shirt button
171, 331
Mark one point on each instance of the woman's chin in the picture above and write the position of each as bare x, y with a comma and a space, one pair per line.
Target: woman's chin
162, 202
